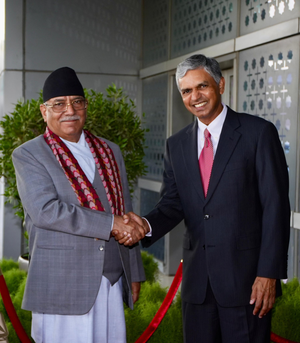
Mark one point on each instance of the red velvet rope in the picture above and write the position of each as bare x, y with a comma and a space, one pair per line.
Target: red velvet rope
12, 312
145, 335
166, 304
277, 339
163, 308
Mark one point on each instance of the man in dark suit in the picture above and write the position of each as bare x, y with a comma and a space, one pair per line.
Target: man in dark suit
226, 177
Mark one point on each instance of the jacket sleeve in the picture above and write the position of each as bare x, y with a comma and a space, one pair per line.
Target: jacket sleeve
47, 200
273, 184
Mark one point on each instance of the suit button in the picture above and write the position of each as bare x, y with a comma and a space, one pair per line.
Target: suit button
203, 246
206, 217
101, 248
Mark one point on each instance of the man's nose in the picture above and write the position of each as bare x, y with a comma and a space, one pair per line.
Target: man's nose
195, 94
69, 108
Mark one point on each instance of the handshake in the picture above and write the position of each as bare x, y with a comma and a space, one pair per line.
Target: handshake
129, 229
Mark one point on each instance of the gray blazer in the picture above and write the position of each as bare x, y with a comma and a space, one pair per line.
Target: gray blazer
66, 261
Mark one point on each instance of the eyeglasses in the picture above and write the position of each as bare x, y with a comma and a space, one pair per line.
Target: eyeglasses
62, 106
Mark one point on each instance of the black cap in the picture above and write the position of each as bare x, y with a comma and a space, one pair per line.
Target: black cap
62, 82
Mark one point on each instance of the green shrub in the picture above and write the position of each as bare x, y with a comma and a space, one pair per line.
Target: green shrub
150, 300
150, 266
285, 322
112, 116
171, 325
24, 316
286, 312
15, 280
151, 297
6, 265
12, 336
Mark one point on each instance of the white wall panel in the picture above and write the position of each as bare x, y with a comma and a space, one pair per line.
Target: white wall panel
89, 36
14, 34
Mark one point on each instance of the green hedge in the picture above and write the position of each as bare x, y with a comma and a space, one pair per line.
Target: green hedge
286, 313
151, 297
15, 280
112, 116
285, 321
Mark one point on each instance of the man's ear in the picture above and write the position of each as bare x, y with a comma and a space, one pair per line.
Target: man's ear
222, 85
43, 110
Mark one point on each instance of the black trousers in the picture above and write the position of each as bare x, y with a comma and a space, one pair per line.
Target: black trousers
211, 323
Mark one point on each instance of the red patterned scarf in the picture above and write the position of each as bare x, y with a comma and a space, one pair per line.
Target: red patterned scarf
106, 165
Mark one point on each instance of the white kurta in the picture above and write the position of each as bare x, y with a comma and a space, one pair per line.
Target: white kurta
105, 322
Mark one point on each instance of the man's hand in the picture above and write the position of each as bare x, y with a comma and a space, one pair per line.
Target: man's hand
130, 219
135, 287
127, 233
263, 295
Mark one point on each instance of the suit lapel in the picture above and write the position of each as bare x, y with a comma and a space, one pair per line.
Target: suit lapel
190, 158
227, 143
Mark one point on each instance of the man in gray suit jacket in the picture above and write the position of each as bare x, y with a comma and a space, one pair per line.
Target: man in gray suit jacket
226, 177
74, 191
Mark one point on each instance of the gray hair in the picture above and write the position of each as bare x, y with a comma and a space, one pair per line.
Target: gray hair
210, 65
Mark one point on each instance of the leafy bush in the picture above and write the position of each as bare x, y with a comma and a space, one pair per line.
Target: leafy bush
150, 266
150, 300
285, 321
112, 116
6, 265
151, 297
15, 280
286, 313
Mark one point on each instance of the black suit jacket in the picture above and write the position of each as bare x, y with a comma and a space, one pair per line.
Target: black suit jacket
241, 229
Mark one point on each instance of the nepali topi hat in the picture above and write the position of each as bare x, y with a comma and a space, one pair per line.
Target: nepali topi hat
62, 82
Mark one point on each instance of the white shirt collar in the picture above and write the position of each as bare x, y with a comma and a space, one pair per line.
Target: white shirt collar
215, 127
81, 141
83, 155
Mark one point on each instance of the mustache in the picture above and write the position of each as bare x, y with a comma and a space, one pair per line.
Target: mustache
67, 118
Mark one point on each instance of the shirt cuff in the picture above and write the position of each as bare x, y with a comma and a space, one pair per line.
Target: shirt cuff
149, 234
112, 222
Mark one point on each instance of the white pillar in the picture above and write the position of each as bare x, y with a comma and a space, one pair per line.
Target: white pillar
11, 90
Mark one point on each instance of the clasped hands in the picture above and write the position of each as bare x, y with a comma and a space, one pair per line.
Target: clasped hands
129, 229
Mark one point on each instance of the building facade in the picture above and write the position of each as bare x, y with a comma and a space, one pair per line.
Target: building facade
100, 40
137, 45
257, 45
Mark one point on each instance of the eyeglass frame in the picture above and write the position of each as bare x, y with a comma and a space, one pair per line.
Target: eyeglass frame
69, 104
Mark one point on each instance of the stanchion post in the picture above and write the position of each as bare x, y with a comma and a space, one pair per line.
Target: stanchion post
3, 330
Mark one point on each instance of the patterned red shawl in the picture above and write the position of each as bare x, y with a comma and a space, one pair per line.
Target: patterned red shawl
106, 165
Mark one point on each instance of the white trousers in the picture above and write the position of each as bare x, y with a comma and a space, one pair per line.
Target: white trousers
104, 323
